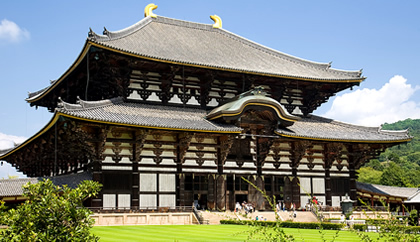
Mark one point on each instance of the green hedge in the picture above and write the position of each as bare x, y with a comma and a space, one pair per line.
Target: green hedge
286, 224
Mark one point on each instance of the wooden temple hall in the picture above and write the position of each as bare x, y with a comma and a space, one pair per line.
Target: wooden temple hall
169, 113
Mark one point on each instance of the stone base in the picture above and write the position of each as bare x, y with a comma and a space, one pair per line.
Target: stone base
111, 219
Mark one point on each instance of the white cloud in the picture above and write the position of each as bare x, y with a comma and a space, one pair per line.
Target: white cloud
7, 142
372, 107
10, 31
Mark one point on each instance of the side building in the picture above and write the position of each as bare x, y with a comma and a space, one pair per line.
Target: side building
169, 113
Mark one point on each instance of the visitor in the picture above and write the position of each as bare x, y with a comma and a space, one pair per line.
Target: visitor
238, 207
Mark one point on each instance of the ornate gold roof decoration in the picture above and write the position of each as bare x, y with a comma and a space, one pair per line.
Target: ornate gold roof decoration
217, 21
148, 10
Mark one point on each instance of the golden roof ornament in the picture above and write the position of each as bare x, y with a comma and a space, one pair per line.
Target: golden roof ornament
217, 21
148, 10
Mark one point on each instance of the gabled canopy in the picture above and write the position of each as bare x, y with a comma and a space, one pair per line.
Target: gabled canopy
254, 99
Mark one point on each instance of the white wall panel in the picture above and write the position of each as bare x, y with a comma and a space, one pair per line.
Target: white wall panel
318, 185
124, 201
167, 183
167, 200
148, 201
305, 185
148, 183
335, 200
109, 201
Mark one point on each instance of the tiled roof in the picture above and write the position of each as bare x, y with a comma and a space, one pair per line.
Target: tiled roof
190, 43
13, 187
153, 116
315, 127
415, 198
404, 192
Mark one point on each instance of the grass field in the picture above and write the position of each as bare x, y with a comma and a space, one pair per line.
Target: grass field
204, 233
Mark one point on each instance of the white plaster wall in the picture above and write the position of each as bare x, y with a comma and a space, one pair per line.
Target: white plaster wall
167, 183
318, 185
147, 201
109, 201
167, 200
148, 183
305, 185
124, 200
335, 200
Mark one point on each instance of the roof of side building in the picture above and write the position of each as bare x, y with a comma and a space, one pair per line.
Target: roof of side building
404, 192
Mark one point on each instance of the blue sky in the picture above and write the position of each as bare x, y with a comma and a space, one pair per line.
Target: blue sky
39, 40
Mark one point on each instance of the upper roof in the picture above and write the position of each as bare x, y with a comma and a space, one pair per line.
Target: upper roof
403, 192
188, 43
319, 128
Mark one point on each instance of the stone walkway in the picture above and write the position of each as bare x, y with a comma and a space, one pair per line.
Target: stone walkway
215, 217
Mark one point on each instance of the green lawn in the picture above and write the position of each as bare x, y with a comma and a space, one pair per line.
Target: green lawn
203, 233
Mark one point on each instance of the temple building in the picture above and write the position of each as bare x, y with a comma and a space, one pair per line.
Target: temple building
168, 113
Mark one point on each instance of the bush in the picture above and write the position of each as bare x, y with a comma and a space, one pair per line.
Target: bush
51, 213
285, 224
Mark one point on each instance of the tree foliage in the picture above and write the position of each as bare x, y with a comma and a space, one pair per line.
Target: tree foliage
400, 165
51, 213
369, 175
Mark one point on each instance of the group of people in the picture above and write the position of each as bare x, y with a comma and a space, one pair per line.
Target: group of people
244, 207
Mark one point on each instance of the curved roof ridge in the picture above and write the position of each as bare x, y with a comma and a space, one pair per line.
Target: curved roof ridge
112, 35
85, 105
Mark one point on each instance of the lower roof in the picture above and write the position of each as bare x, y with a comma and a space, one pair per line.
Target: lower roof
13, 187
118, 112
319, 128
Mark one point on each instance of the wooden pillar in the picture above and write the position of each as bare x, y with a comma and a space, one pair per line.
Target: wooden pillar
97, 201
180, 193
353, 178
328, 197
135, 186
221, 192
211, 204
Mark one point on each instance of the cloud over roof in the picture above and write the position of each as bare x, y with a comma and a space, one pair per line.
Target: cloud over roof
392, 102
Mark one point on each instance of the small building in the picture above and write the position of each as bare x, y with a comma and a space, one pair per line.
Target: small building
169, 113
377, 195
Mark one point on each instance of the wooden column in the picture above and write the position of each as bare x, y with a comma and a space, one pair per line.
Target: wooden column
331, 152
135, 186
221, 192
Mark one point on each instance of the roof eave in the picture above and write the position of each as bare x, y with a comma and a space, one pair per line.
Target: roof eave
343, 140
356, 81
75, 64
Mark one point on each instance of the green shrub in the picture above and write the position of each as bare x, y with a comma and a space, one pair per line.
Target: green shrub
286, 224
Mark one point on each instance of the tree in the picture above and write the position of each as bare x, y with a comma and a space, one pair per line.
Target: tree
51, 213
393, 175
369, 175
